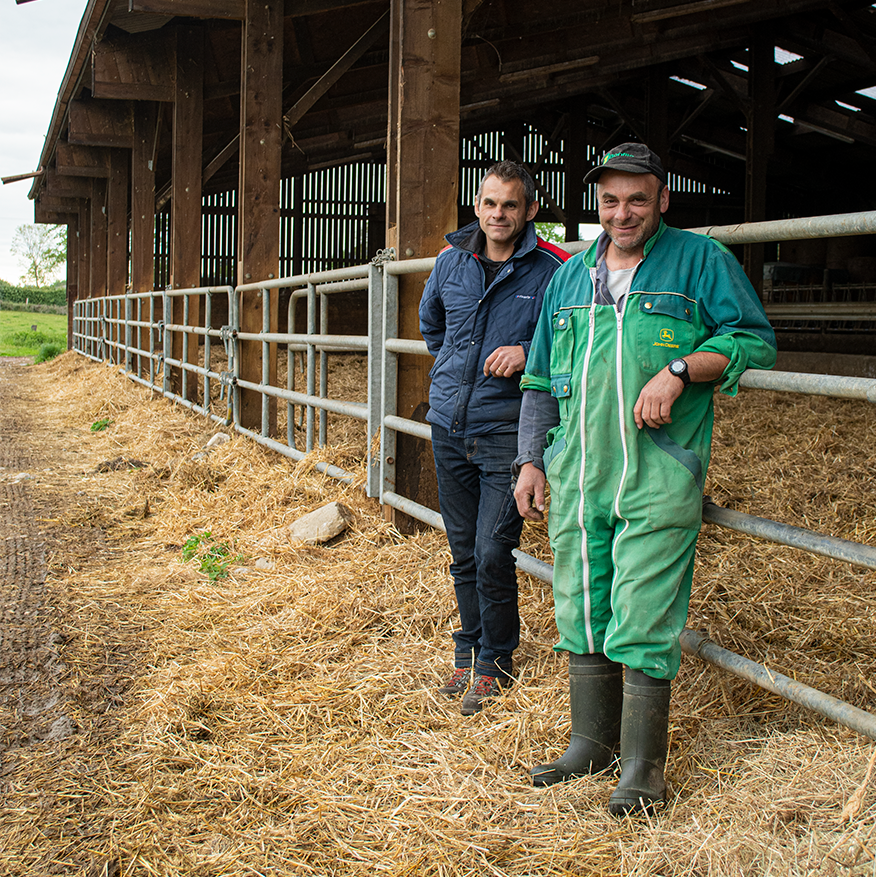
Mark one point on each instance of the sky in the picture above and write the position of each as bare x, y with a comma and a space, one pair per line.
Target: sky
36, 40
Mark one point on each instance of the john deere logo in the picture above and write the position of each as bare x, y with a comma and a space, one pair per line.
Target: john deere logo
667, 335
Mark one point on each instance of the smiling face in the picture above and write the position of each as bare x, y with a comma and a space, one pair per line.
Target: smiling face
629, 210
502, 213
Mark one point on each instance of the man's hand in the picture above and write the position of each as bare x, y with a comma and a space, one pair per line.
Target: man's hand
529, 493
654, 405
505, 361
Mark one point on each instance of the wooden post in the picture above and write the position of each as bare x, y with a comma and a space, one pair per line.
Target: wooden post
97, 285
117, 223
143, 213
657, 113
185, 246
261, 143
760, 142
575, 165
422, 193
72, 273
84, 234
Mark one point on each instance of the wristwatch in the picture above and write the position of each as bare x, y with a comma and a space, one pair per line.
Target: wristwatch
678, 367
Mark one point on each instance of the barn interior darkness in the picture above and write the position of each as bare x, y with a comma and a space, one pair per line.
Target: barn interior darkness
761, 110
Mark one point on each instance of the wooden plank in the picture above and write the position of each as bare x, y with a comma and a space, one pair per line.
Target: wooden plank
228, 9
42, 216
117, 222
261, 129
81, 161
143, 201
59, 185
423, 168
294, 114
134, 67
72, 273
337, 70
84, 272
574, 166
51, 204
97, 237
101, 123
185, 248
760, 143
657, 111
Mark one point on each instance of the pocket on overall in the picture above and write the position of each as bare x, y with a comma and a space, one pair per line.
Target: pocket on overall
675, 482
665, 328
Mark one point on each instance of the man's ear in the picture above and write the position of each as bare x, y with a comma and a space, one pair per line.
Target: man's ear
531, 211
664, 199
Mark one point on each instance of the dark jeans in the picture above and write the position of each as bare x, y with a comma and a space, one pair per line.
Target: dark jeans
476, 494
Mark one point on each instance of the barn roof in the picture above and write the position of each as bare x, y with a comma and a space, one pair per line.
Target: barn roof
618, 65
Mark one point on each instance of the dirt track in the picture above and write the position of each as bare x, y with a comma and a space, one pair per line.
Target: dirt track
51, 715
31, 692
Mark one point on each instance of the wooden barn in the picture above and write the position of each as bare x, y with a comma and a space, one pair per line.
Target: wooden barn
226, 142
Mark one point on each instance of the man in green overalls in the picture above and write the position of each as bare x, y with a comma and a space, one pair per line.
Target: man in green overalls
617, 414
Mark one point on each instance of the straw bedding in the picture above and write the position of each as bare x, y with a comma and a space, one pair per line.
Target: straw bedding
282, 721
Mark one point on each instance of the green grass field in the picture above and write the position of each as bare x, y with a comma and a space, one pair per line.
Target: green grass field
19, 338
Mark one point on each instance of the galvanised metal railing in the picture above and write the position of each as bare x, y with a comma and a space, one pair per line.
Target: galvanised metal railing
102, 333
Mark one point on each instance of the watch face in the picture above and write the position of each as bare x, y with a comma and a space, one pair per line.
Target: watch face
677, 366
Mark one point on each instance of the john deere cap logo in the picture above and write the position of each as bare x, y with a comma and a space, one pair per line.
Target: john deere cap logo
667, 335
609, 156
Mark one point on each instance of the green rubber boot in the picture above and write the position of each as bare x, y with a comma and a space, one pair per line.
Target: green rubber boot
596, 697
644, 741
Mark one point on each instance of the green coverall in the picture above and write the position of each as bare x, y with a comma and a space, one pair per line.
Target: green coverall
626, 504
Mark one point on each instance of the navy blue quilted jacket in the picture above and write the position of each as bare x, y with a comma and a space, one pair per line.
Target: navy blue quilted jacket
463, 323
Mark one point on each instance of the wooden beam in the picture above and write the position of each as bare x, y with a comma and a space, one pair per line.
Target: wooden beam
84, 232
100, 123
228, 9
52, 204
303, 8
295, 113
657, 111
42, 216
575, 166
845, 126
63, 186
422, 194
261, 144
143, 217
143, 198
760, 143
336, 71
97, 242
81, 161
804, 83
72, 273
117, 222
633, 124
134, 67
185, 246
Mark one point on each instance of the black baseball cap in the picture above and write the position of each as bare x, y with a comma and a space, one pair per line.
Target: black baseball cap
632, 158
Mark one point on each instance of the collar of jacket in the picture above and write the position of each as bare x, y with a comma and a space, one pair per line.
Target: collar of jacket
597, 249
472, 240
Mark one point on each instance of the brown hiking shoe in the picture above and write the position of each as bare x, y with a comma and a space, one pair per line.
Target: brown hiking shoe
482, 687
457, 683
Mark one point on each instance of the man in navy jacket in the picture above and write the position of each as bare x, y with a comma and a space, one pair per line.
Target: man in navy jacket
477, 316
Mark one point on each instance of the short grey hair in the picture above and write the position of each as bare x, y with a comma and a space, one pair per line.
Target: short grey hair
507, 171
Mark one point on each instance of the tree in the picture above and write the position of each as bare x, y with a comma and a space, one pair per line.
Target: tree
551, 231
42, 249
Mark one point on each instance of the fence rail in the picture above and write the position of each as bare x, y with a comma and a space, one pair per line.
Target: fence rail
165, 355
